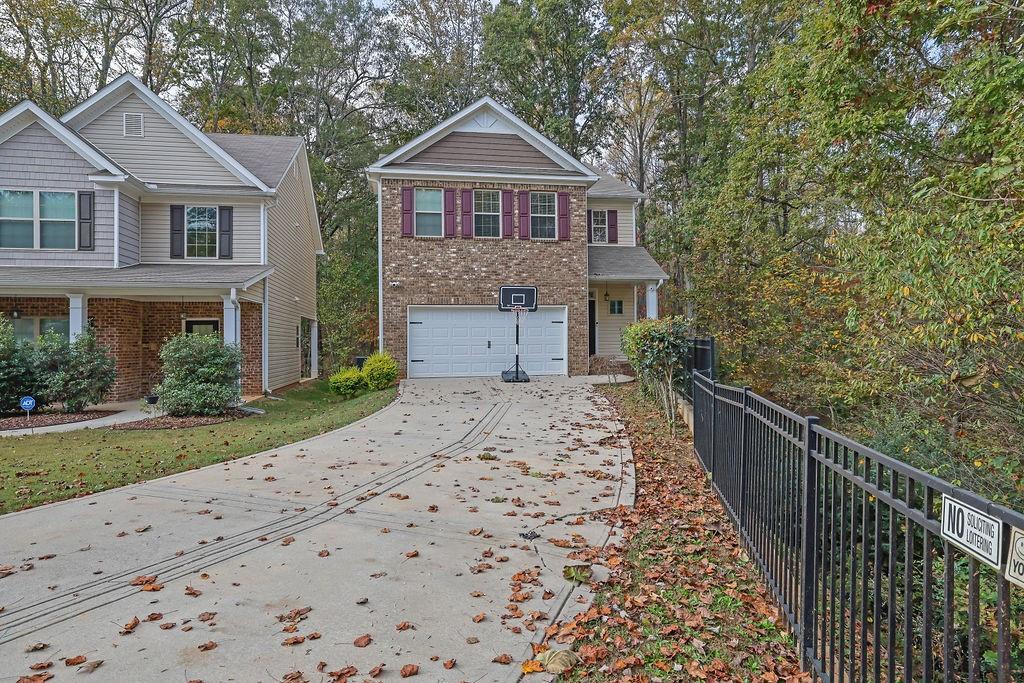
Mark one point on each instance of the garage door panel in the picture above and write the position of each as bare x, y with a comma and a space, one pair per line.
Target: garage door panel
452, 341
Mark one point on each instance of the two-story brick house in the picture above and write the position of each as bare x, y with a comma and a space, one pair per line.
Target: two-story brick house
483, 200
125, 216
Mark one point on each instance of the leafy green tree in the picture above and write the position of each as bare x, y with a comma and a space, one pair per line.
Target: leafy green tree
550, 63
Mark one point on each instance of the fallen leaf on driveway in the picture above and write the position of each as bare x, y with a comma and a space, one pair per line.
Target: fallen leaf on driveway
503, 659
206, 616
294, 640
130, 626
207, 646
143, 529
532, 666
142, 580
152, 587
288, 540
476, 532
449, 664
192, 592
36, 678
315, 635
155, 616
363, 640
478, 618
324, 553
412, 553
39, 666
404, 626
343, 674
74, 661
36, 647
409, 670
89, 667
375, 671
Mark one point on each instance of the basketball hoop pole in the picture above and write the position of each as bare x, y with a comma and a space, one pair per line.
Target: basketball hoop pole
517, 344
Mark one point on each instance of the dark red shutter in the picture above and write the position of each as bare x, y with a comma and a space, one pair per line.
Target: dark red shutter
506, 214
590, 226
613, 226
407, 211
563, 215
449, 212
467, 214
524, 215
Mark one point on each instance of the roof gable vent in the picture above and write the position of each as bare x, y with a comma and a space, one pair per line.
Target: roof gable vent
133, 124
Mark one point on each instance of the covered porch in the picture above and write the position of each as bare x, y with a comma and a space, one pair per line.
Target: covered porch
134, 310
618, 278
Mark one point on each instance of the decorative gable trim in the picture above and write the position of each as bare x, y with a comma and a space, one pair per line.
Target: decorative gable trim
108, 97
24, 114
487, 115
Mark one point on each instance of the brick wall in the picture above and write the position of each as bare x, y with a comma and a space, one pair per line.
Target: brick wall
118, 326
459, 271
252, 348
134, 331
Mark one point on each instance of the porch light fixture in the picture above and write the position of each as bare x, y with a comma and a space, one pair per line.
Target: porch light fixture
15, 314
606, 292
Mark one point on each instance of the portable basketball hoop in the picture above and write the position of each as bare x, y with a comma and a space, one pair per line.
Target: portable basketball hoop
520, 300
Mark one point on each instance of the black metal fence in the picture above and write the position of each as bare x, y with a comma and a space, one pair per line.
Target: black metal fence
850, 542
699, 356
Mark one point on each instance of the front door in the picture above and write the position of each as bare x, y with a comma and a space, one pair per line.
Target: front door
592, 325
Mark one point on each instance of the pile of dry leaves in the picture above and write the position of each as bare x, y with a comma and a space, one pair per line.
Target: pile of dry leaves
683, 602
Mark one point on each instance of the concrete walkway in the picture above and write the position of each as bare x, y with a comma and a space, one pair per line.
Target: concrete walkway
438, 527
128, 411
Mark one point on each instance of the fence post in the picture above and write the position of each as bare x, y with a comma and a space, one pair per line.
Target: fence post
742, 508
714, 412
808, 559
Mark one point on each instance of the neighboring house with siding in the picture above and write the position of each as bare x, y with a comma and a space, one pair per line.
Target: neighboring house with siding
124, 216
483, 200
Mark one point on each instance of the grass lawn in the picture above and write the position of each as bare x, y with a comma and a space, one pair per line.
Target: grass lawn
683, 601
48, 467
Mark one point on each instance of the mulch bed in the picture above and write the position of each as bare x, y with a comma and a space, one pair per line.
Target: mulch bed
683, 601
37, 420
170, 422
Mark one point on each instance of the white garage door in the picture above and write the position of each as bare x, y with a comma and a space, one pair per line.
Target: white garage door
467, 341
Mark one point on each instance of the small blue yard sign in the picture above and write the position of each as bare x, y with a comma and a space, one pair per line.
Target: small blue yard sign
27, 403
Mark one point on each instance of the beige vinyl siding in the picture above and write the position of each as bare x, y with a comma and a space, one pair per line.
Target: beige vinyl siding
130, 238
253, 294
163, 155
156, 231
292, 286
484, 149
627, 227
33, 159
610, 327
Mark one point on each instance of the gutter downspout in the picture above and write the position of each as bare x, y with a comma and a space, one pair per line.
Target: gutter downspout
380, 268
117, 228
265, 361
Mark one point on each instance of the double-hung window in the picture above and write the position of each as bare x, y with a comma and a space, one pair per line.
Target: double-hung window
32, 219
599, 226
201, 232
428, 212
29, 329
486, 213
542, 216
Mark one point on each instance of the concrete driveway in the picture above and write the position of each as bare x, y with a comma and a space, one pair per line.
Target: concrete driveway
425, 529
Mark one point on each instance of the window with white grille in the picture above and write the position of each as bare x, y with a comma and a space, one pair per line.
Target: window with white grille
133, 125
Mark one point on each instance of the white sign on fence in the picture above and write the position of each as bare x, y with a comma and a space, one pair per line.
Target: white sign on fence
1015, 560
972, 530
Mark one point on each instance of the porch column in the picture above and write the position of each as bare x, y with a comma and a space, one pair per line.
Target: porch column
231, 320
78, 315
652, 300
314, 351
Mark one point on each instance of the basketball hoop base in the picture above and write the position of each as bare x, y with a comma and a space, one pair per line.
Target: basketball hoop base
515, 376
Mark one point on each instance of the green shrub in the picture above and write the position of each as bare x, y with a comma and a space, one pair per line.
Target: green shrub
347, 382
380, 371
657, 350
77, 374
17, 371
201, 375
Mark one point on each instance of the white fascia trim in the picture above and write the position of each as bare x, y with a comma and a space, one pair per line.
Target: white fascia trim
176, 119
256, 278
531, 135
59, 131
374, 172
318, 239
117, 228
380, 270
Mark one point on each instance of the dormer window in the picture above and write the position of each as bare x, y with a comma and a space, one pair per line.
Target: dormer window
133, 126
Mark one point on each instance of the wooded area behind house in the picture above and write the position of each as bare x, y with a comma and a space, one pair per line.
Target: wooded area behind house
835, 188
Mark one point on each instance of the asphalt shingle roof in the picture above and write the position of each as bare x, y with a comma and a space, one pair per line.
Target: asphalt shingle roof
266, 156
622, 263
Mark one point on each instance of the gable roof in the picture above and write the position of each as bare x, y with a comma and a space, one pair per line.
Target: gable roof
267, 156
483, 120
114, 91
23, 114
611, 187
